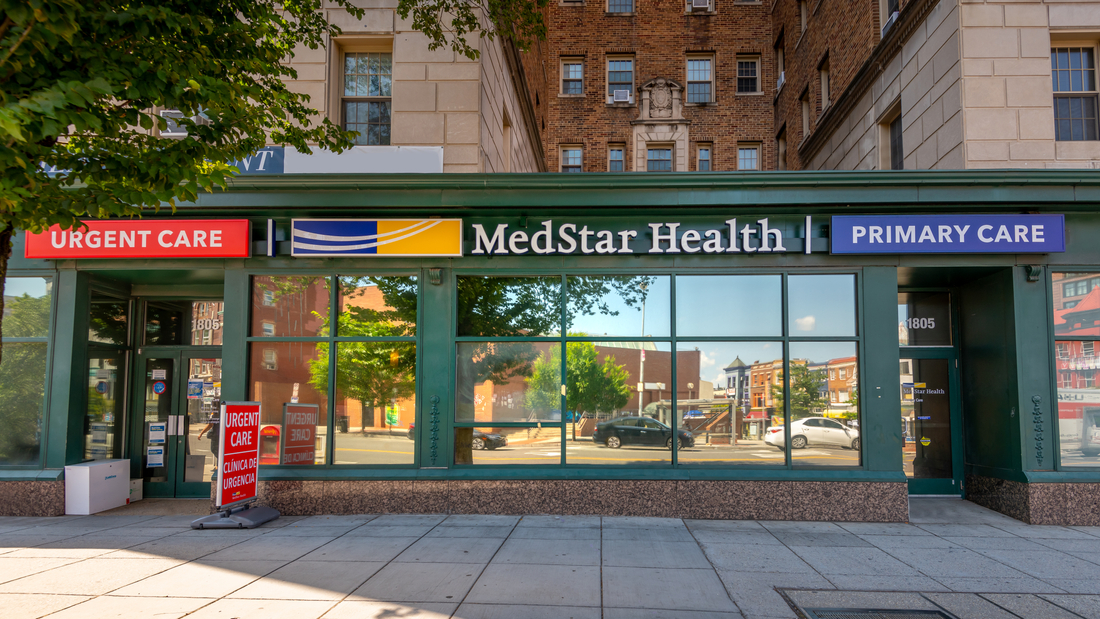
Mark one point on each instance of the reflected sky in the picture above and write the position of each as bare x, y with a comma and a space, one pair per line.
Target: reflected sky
822, 305
611, 315
714, 357
736, 305
820, 352
18, 286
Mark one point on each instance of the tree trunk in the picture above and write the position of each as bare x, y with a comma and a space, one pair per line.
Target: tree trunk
5, 253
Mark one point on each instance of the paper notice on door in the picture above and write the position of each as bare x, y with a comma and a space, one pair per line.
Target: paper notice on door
157, 432
154, 456
160, 374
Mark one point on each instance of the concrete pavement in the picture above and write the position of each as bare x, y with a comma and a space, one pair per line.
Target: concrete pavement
954, 557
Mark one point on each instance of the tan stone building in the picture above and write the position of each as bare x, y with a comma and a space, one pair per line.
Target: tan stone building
418, 110
939, 84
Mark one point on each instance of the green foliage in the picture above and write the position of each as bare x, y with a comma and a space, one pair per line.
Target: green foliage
82, 83
591, 386
23, 380
454, 22
806, 387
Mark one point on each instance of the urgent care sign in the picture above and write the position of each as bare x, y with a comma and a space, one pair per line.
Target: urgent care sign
144, 238
240, 457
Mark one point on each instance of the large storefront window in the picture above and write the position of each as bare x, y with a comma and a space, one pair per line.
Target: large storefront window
651, 370
23, 368
1077, 333
351, 390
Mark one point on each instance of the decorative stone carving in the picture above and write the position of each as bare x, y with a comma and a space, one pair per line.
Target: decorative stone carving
661, 123
661, 100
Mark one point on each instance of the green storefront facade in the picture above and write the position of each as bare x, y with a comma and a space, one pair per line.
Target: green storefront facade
562, 364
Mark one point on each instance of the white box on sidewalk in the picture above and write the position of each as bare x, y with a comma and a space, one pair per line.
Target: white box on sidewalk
92, 487
136, 489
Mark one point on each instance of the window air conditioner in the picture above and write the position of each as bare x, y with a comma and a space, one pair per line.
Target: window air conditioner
621, 96
782, 80
889, 23
700, 4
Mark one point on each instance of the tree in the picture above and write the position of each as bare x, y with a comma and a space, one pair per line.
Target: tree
590, 386
82, 84
806, 386
23, 379
521, 20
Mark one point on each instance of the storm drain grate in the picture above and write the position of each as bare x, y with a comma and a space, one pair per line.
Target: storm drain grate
868, 613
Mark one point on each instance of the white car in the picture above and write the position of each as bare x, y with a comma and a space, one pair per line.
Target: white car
816, 431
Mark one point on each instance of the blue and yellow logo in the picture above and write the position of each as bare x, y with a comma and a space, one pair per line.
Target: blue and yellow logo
376, 237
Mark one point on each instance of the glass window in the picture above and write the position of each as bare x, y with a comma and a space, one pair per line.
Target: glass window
815, 439
659, 160
490, 445
1078, 403
620, 76
620, 396
748, 157
1074, 317
508, 306
27, 306
618, 306
283, 373
572, 77
295, 305
368, 75
748, 75
620, 6
924, 319
375, 402
1073, 70
377, 306
821, 305
571, 159
508, 382
897, 153
737, 305
22, 396
704, 159
615, 159
699, 77
729, 415
108, 322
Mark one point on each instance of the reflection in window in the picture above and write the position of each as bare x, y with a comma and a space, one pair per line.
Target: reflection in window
295, 306
729, 305
1076, 299
107, 321
727, 412
508, 306
283, 373
489, 445
618, 306
1078, 403
508, 381
375, 401
104, 414
821, 305
619, 397
22, 394
824, 411
377, 306
27, 306
924, 318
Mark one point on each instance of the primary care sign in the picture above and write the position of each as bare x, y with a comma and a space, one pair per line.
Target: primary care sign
144, 238
240, 457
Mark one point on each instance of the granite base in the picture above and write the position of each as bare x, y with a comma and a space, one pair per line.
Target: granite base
1070, 504
32, 498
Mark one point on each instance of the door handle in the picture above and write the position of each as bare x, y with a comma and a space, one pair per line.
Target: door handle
172, 425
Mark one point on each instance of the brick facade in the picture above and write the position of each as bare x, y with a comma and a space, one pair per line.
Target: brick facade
659, 35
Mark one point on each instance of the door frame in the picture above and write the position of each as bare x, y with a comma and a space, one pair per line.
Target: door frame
954, 484
175, 446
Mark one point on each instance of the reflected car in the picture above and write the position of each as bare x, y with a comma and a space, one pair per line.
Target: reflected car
638, 431
481, 440
816, 432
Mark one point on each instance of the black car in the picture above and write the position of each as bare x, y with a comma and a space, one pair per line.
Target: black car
639, 431
480, 440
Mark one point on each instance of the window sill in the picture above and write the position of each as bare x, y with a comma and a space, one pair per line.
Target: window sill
620, 14
701, 13
751, 94
620, 104
562, 95
702, 104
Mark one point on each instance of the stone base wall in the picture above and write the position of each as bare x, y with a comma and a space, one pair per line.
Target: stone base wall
1074, 504
740, 500
32, 498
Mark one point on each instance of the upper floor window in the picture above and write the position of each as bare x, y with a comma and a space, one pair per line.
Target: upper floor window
620, 6
781, 149
367, 96
1073, 73
615, 158
572, 76
571, 159
823, 78
804, 101
780, 67
620, 80
803, 14
748, 156
748, 75
700, 79
897, 153
704, 162
659, 159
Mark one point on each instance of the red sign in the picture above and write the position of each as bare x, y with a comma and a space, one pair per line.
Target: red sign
240, 457
144, 238
300, 433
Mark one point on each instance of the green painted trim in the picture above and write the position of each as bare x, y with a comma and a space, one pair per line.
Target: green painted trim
1033, 347
1063, 476
32, 475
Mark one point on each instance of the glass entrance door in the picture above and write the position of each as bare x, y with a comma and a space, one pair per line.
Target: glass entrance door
179, 394
932, 451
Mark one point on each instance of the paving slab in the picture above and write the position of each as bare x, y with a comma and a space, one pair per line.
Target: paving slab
965, 530
1045, 563
267, 547
559, 522
298, 530
549, 552
361, 549
176, 547
666, 589
355, 609
1025, 584
173, 521
420, 582
827, 539
200, 579
35, 605
89, 577
1029, 606
372, 530
1088, 606
574, 585
499, 532
759, 537
641, 522
1091, 546
565, 533
887, 542
110, 607
1073, 585
723, 525
999, 543
646, 613
797, 526
1032, 531
515, 611
969, 606
881, 528
667, 534
262, 609
1093, 531
755, 594
859, 599
477, 520
740, 558
924, 510
14, 568
864, 582
953, 563
82, 547
408, 520
335, 520
674, 555
451, 550
310, 580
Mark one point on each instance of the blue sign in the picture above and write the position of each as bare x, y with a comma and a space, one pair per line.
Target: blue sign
266, 161
194, 389
947, 234
101, 387
159, 387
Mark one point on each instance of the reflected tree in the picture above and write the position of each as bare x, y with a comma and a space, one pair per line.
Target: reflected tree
23, 379
590, 386
806, 388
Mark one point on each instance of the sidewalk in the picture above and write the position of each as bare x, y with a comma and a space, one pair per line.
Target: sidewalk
955, 557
